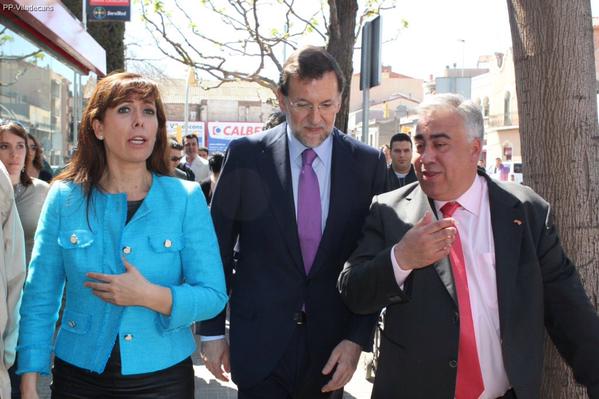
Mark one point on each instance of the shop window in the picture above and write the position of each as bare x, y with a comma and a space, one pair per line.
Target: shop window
507, 151
40, 91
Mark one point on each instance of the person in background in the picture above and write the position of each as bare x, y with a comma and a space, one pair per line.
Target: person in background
215, 163
499, 170
175, 166
135, 251
401, 171
203, 152
470, 296
274, 119
386, 150
197, 164
12, 276
30, 192
35, 163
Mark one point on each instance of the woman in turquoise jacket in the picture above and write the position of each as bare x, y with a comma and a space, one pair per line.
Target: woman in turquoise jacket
134, 251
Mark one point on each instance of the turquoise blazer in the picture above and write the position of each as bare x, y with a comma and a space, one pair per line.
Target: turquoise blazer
171, 241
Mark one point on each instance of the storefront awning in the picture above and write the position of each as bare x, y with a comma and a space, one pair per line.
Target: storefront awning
50, 23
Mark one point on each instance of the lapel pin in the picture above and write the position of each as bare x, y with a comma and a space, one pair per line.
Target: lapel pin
518, 222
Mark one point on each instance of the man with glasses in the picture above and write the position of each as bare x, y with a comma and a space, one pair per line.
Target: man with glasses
294, 198
175, 166
197, 164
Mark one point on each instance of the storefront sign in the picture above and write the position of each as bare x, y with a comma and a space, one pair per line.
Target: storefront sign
177, 130
108, 10
222, 133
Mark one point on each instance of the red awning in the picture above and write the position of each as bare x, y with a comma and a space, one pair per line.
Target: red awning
52, 24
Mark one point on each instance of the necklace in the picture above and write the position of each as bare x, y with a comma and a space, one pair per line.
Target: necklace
19, 189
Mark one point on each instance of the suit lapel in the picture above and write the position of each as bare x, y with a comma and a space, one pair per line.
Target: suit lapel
275, 169
342, 189
507, 220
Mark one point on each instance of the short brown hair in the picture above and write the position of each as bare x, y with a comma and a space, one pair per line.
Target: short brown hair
18, 130
310, 62
89, 161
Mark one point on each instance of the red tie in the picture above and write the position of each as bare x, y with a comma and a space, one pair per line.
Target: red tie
469, 381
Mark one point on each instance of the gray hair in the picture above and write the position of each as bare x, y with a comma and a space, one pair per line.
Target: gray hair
467, 109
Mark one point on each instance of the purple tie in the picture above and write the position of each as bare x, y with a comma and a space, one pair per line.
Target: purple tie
309, 219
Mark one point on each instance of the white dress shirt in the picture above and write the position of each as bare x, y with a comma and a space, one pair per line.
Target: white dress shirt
473, 221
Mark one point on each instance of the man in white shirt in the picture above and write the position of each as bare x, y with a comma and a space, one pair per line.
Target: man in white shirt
468, 296
12, 276
197, 164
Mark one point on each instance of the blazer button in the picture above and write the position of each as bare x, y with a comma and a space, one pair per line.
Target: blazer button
74, 239
168, 243
126, 250
128, 337
453, 364
72, 323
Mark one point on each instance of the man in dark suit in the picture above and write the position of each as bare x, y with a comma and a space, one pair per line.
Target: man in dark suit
401, 171
294, 198
468, 296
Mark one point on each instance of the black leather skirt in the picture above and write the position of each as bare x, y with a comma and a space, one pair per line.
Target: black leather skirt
71, 382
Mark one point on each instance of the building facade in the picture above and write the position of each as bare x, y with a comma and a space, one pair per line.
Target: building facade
45, 55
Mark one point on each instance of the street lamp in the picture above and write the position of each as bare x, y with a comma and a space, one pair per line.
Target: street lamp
463, 41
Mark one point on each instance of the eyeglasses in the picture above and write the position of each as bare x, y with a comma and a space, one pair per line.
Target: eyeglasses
327, 107
176, 159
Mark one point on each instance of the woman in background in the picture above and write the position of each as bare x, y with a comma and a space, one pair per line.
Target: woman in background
135, 251
35, 164
30, 192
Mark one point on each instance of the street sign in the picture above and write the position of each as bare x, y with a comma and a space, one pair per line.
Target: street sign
108, 10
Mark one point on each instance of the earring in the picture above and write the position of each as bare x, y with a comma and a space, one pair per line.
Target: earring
100, 138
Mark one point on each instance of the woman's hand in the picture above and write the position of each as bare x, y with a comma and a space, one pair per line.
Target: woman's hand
29, 386
130, 289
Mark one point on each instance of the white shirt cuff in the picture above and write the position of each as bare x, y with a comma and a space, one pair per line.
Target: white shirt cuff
400, 274
211, 338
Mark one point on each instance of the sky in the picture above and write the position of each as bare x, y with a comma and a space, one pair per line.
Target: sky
439, 33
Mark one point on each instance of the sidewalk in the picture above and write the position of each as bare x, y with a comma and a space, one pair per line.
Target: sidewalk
207, 387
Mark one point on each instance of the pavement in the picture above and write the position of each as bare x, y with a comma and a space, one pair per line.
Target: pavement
207, 387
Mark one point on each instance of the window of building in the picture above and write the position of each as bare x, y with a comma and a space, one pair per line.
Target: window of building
486, 106
507, 151
507, 120
41, 92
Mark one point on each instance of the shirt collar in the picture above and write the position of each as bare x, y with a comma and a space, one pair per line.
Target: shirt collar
471, 200
323, 151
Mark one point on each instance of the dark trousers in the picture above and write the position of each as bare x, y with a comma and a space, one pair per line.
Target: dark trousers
294, 377
71, 382
15, 382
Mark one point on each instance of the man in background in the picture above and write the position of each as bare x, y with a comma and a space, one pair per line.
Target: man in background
400, 172
197, 164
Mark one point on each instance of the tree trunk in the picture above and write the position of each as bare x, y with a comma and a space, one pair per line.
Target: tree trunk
110, 35
342, 25
557, 106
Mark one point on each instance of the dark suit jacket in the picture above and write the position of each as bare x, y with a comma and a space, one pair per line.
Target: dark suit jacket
253, 200
392, 182
537, 288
